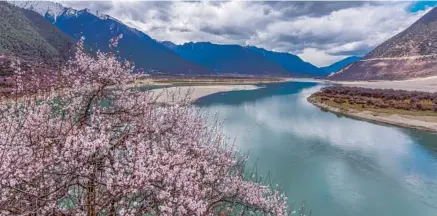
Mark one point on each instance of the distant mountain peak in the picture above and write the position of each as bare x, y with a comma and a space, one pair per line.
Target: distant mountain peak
292, 63
70, 12
411, 53
54, 9
103, 16
337, 66
229, 59
152, 55
146, 53
169, 44
250, 60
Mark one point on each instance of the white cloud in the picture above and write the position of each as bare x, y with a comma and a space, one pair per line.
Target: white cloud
318, 57
320, 32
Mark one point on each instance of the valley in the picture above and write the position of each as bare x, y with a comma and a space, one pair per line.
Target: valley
207, 67
218, 108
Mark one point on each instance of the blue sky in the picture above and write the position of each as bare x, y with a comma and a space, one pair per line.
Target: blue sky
421, 5
318, 32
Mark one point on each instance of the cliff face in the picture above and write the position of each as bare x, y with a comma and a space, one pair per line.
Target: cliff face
409, 54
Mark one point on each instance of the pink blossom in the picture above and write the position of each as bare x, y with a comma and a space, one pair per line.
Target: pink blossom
64, 152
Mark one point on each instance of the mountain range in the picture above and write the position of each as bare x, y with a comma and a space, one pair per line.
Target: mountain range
166, 57
336, 66
409, 54
146, 53
292, 63
47, 31
228, 59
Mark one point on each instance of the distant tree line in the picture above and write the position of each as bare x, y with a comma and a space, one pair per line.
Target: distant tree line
380, 98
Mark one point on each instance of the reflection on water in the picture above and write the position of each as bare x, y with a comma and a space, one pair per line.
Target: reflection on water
337, 165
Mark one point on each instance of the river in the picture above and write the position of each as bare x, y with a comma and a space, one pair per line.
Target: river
336, 165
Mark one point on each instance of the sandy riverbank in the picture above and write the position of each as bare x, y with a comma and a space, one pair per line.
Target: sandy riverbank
168, 81
428, 123
192, 93
428, 84
168, 94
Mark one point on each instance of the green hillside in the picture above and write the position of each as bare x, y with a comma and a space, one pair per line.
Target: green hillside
28, 36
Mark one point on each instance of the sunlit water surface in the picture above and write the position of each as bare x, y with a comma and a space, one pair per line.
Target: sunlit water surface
336, 165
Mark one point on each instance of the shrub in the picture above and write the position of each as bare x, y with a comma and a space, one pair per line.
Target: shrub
381, 98
434, 107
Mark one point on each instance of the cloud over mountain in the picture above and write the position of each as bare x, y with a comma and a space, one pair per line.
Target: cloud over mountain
319, 32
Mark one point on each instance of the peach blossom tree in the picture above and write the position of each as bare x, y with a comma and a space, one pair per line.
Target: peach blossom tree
84, 141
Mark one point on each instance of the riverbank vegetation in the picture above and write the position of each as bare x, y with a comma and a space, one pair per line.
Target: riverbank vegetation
381, 100
67, 154
395, 107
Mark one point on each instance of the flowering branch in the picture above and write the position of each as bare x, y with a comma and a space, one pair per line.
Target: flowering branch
92, 146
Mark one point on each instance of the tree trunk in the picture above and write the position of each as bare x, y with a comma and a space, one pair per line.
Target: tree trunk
91, 198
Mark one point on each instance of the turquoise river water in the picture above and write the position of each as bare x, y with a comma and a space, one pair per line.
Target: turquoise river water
336, 165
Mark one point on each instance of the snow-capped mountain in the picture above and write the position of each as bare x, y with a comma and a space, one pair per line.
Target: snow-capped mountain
151, 55
42, 7
97, 28
53, 10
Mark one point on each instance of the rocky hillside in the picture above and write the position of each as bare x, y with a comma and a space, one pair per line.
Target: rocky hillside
411, 53
26, 35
